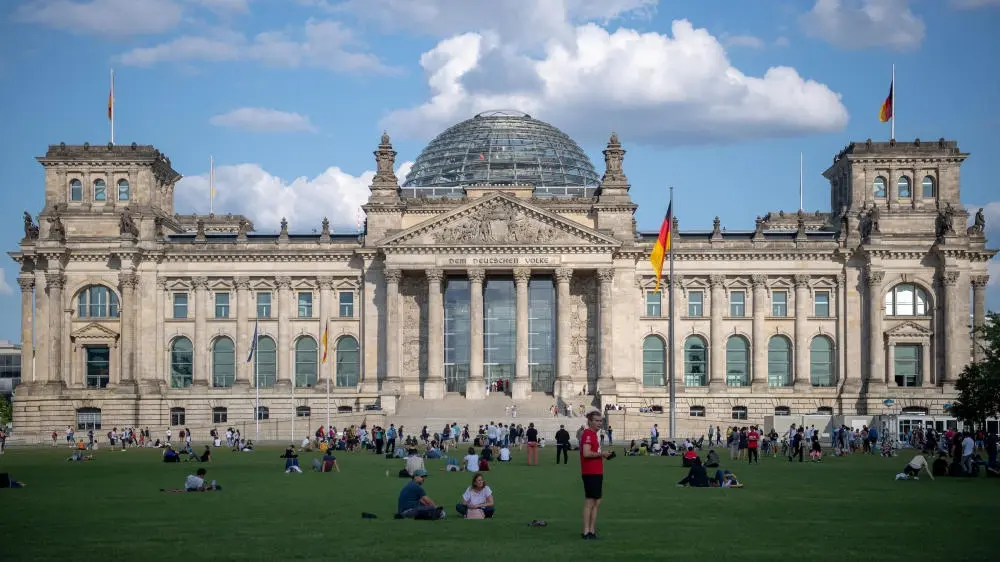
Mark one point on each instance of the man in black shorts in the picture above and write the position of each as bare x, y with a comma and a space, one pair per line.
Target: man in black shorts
592, 468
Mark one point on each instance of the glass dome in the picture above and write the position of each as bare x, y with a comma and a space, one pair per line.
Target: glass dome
502, 147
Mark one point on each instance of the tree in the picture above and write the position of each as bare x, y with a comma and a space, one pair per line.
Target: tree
978, 385
6, 410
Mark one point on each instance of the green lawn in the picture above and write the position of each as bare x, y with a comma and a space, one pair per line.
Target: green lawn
111, 509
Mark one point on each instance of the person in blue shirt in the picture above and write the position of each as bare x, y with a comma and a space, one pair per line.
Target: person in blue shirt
872, 439
413, 501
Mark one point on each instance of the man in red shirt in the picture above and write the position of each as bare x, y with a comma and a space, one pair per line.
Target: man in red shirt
753, 438
592, 468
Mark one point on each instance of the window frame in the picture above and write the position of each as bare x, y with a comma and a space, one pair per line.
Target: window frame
816, 303
831, 362
740, 413
733, 304
304, 300
178, 417
933, 187
262, 306
178, 306
783, 311
917, 361
220, 414
75, 190
904, 181
100, 190
126, 188
178, 379
345, 309
876, 183
774, 361
220, 379
88, 419
696, 411
891, 304
747, 361
222, 300
654, 304
303, 364
657, 379
700, 304
689, 374
342, 380
272, 353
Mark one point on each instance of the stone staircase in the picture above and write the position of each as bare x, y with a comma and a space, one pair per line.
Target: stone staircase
413, 413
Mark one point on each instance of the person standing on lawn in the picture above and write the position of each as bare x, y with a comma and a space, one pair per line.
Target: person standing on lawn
562, 445
753, 438
592, 469
532, 437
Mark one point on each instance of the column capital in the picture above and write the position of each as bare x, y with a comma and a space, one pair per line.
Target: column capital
283, 282
564, 274
161, 283
758, 280
801, 281
242, 283
949, 278
476, 274
434, 274
393, 275
842, 279
128, 281
522, 274
606, 275
716, 280
26, 283
55, 280
200, 282
980, 281
874, 277
325, 282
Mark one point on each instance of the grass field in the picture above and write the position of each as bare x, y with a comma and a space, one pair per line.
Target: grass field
841, 509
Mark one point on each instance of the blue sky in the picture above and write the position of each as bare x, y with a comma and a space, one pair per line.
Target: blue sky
716, 98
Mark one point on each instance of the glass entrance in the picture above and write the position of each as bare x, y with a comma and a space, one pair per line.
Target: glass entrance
457, 321
98, 366
541, 334
499, 332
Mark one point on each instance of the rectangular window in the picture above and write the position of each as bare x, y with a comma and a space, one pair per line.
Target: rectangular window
652, 303
222, 305
263, 304
908, 361
779, 303
178, 417
305, 305
98, 366
737, 304
696, 304
220, 415
180, 306
821, 304
346, 304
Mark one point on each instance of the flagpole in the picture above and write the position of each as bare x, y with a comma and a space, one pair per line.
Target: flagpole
111, 106
892, 104
256, 380
211, 185
295, 407
670, 333
326, 345
800, 181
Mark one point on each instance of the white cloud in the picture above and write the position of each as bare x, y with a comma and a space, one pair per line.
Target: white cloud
973, 4
748, 41
862, 24
224, 6
263, 119
103, 17
321, 44
649, 87
520, 22
5, 288
250, 190
782, 42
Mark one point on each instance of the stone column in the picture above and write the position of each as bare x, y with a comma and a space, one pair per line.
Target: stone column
326, 298
127, 283
43, 370
606, 353
927, 374
285, 304
434, 385
876, 350
475, 389
393, 382
800, 373
54, 282
717, 343
27, 283
979, 283
890, 367
955, 322
841, 344
758, 373
522, 372
564, 374
243, 307
202, 367
161, 349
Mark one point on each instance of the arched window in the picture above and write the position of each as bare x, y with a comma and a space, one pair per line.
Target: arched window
266, 362
695, 361
263, 413
821, 362
903, 187
779, 361
100, 190
906, 299
303, 411
739, 412
223, 362
927, 187
178, 417
220, 415
88, 418
75, 190
878, 188
305, 362
737, 361
697, 411
782, 411
181, 363
97, 301
654, 362
348, 362
824, 411
123, 190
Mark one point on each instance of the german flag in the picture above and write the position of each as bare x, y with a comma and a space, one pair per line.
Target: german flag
111, 98
662, 246
885, 113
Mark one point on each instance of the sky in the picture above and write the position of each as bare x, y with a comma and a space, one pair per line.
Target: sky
716, 98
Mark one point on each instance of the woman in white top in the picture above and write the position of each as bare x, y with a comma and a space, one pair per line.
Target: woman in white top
477, 501
471, 460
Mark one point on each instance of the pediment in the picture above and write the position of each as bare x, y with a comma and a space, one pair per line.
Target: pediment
909, 330
94, 331
499, 220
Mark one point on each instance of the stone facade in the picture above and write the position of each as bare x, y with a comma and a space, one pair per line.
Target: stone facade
759, 301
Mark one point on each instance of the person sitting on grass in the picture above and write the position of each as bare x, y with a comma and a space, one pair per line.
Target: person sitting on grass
504, 454
196, 482
414, 462
328, 464
696, 477
690, 456
940, 466
725, 479
206, 456
170, 455
7, 481
912, 469
471, 460
434, 452
712, 459
477, 501
191, 455
414, 503
291, 460
487, 454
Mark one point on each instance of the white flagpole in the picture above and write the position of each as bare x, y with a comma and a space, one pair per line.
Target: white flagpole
672, 382
295, 413
211, 185
892, 104
111, 108
256, 380
326, 345
800, 181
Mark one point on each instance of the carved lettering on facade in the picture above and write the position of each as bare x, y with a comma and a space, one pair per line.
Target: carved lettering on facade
505, 261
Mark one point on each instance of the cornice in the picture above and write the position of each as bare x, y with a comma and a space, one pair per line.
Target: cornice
422, 250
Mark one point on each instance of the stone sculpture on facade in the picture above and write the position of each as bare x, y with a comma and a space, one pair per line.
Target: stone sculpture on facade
499, 224
716, 228
200, 230
31, 229
946, 221
126, 225
979, 226
56, 229
873, 220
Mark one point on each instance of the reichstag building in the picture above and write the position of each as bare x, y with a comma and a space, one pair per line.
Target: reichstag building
503, 263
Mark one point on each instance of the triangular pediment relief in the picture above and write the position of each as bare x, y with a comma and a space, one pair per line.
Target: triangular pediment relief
219, 285
178, 285
263, 285
498, 220
908, 329
94, 331
780, 283
345, 284
303, 284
